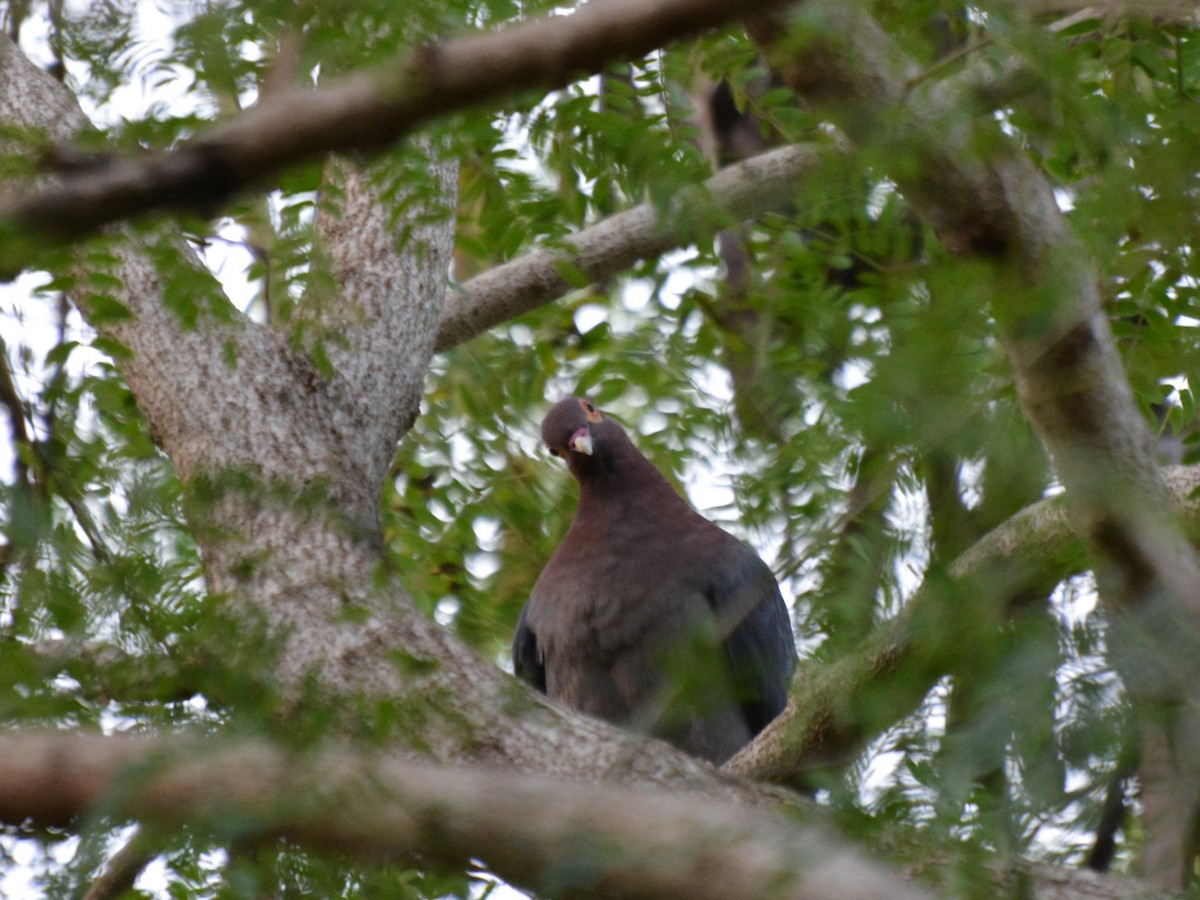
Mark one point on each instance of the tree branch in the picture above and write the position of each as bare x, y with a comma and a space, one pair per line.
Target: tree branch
378, 333
248, 383
619, 841
167, 360
745, 190
122, 869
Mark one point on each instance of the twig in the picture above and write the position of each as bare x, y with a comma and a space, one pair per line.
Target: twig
123, 869
10, 398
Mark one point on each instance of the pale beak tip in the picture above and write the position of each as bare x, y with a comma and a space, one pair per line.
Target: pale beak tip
582, 442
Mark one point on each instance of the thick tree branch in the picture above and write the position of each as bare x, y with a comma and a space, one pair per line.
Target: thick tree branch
377, 332
167, 359
365, 112
228, 398
744, 191
619, 841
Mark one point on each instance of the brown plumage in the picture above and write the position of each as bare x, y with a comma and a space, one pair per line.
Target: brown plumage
648, 615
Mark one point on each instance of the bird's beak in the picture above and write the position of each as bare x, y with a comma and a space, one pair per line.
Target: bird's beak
581, 442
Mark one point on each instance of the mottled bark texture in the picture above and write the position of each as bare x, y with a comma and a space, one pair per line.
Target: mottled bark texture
990, 203
621, 842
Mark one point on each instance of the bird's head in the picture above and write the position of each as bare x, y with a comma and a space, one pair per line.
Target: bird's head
575, 430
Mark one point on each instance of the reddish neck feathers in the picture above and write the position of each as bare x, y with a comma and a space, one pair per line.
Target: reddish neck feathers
618, 477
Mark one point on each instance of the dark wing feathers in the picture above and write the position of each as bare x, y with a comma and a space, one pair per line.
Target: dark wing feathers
527, 659
759, 646
750, 614
762, 656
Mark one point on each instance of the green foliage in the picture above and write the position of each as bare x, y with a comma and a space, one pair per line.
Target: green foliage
848, 410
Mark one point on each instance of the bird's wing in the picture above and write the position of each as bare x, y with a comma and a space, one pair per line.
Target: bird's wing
527, 659
760, 647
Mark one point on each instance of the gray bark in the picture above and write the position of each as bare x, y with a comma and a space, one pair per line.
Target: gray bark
619, 841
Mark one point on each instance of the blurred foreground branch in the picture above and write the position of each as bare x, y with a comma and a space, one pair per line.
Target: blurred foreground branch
620, 842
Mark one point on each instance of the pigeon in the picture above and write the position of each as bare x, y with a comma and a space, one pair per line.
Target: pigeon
648, 615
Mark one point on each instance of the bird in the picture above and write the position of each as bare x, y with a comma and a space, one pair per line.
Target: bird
648, 615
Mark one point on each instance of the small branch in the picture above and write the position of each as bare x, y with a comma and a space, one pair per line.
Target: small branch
837, 709
1113, 815
106, 672
744, 191
10, 399
122, 870
363, 113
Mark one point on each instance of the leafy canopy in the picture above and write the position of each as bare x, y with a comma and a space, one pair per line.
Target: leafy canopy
847, 409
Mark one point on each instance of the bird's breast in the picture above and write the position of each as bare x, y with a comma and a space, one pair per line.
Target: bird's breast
600, 604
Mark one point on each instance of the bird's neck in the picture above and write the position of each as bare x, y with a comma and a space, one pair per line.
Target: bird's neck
627, 483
